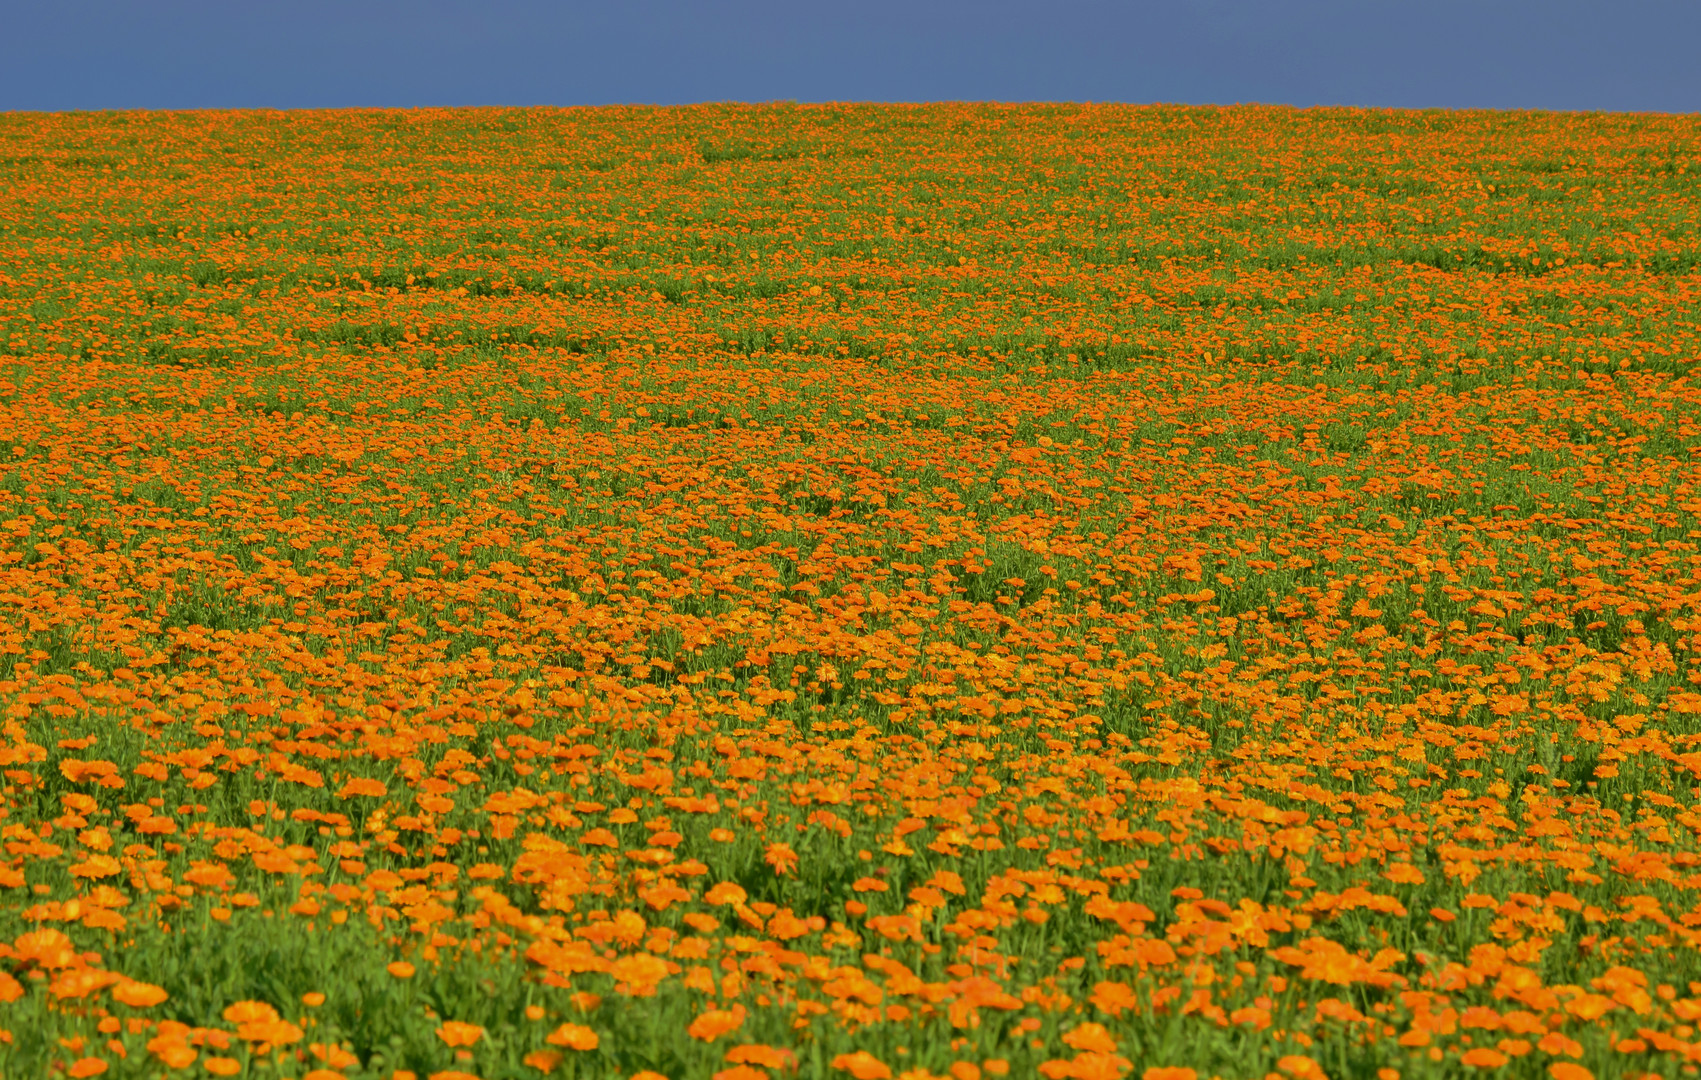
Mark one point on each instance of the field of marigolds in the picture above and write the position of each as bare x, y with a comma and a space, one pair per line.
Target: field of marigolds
850, 592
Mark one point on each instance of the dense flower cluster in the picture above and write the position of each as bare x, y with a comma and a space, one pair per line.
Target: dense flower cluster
875, 592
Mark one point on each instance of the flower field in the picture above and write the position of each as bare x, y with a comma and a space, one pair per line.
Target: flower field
859, 592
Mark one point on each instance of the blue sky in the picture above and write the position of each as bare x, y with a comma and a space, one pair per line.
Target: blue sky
1554, 54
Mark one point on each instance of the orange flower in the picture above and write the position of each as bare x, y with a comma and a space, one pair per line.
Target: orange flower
896, 927
638, 974
1089, 1065
1404, 873
249, 1012
332, 1055
139, 995
781, 857
401, 969
176, 1055
573, 1037
97, 866
49, 949
862, 1066
1300, 1067
457, 1033
1589, 1006
81, 982
102, 772
771, 1057
1092, 1037
713, 1023
1150, 953
1566, 1070
171, 1045
1113, 997
89, 1066
725, 893
269, 1032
